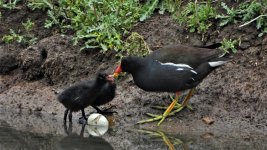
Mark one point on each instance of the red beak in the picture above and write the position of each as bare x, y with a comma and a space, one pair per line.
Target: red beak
118, 70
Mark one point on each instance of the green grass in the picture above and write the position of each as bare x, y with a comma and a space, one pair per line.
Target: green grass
106, 24
246, 13
229, 45
196, 17
10, 4
97, 23
27, 38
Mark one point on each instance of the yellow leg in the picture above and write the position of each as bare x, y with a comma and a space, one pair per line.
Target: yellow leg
174, 105
169, 109
158, 117
167, 141
170, 141
188, 96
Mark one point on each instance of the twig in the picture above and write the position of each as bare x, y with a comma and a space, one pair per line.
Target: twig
247, 23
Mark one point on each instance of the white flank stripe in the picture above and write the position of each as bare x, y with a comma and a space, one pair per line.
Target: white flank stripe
180, 69
217, 63
193, 71
177, 65
193, 79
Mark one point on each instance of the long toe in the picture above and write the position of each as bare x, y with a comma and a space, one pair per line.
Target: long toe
160, 117
154, 118
178, 105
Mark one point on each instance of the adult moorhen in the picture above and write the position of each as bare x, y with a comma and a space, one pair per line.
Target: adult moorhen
191, 55
93, 92
152, 75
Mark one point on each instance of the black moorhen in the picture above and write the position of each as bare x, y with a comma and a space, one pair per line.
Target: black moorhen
93, 92
151, 75
191, 55
106, 94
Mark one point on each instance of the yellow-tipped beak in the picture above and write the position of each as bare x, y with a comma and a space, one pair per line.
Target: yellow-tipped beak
115, 75
117, 71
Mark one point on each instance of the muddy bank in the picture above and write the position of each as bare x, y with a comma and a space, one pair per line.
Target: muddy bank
233, 95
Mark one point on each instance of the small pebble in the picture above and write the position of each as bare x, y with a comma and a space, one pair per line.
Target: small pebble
208, 120
207, 135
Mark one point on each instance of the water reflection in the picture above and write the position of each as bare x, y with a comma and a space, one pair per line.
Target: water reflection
74, 141
12, 139
170, 141
75, 136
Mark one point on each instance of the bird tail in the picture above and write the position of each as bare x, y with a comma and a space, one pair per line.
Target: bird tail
214, 63
217, 63
206, 68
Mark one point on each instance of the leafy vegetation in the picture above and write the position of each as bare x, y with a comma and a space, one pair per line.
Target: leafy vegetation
28, 25
27, 38
196, 17
9, 5
39, 4
96, 23
12, 36
135, 45
229, 44
246, 12
230, 16
169, 5
148, 9
99, 23
107, 25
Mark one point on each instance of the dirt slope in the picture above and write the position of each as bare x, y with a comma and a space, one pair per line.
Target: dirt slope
233, 95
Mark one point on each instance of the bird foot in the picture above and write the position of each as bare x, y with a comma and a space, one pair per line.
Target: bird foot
82, 120
177, 106
159, 117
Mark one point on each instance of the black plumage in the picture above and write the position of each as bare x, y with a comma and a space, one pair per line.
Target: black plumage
106, 95
198, 57
190, 55
173, 68
152, 75
93, 92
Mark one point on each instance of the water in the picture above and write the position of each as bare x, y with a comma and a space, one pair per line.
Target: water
12, 139
33, 131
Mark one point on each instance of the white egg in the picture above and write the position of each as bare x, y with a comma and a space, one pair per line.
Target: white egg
96, 119
97, 130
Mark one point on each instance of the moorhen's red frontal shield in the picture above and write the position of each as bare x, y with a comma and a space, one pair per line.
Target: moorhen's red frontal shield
117, 71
